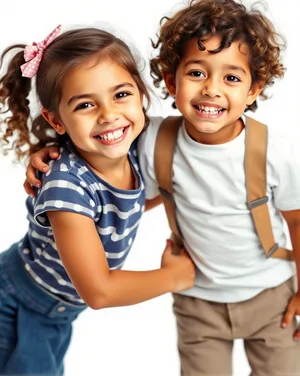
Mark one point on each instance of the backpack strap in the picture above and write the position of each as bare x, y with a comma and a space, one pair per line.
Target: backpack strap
163, 165
256, 185
255, 175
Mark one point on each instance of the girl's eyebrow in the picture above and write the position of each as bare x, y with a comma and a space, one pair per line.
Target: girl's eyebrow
88, 95
124, 84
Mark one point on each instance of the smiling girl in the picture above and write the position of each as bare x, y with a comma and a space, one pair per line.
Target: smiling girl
84, 219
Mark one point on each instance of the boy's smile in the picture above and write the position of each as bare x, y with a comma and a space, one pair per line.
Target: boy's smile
212, 90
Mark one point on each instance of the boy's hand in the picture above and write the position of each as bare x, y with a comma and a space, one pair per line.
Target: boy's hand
293, 309
37, 163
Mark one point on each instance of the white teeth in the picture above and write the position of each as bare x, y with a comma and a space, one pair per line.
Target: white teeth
209, 110
111, 135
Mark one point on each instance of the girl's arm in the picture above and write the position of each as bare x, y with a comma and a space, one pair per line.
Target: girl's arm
84, 259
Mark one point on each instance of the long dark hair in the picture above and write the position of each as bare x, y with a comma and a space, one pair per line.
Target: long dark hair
67, 51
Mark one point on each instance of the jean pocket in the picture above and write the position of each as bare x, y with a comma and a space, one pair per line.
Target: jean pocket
8, 334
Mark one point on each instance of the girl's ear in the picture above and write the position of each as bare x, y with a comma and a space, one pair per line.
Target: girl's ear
254, 92
170, 83
53, 121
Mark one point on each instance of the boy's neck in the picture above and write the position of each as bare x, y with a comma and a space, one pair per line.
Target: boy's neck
224, 135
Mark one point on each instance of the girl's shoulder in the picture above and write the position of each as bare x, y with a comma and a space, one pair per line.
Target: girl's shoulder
68, 160
69, 166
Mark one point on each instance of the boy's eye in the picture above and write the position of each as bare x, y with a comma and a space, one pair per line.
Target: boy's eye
231, 78
122, 94
196, 74
84, 105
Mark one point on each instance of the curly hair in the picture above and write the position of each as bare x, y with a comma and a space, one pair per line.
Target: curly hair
229, 20
26, 135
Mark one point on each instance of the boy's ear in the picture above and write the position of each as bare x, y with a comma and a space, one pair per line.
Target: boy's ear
53, 121
254, 92
170, 83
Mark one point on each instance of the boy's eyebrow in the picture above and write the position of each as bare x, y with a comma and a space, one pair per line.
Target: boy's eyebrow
88, 95
227, 66
235, 67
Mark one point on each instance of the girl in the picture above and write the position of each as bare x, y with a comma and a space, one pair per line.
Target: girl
84, 219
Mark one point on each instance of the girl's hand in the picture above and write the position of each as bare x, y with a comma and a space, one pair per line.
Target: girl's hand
293, 309
37, 163
181, 266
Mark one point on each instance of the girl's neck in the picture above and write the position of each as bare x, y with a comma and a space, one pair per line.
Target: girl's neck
117, 172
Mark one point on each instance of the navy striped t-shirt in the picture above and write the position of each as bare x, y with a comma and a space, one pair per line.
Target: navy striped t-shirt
72, 186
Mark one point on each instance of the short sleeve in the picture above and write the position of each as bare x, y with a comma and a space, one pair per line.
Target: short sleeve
286, 167
63, 191
146, 145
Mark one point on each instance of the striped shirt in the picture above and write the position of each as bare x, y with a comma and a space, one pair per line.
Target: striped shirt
72, 186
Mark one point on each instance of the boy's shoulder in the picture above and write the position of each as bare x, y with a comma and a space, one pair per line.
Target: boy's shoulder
146, 140
154, 124
278, 141
281, 146
283, 152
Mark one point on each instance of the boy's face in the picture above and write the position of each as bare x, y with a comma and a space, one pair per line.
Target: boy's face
212, 90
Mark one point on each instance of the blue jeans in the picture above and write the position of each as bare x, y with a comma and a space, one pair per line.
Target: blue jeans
35, 327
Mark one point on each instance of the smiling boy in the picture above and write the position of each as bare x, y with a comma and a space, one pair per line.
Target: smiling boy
216, 58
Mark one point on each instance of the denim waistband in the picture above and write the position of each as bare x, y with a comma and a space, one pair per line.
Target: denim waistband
34, 296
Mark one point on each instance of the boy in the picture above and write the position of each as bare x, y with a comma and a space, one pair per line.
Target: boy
215, 59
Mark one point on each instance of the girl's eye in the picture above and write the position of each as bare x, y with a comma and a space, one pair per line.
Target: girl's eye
122, 94
83, 106
196, 74
231, 78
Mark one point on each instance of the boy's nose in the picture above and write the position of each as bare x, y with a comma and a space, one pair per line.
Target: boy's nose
211, 89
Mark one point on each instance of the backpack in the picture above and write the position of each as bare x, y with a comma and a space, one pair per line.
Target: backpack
255, 163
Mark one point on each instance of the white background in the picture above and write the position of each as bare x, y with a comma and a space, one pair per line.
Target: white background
141, 339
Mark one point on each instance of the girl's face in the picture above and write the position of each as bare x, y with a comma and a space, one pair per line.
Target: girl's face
101, 109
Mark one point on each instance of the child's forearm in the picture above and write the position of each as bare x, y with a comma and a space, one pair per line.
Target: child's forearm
150, 204
295, 239
129, 287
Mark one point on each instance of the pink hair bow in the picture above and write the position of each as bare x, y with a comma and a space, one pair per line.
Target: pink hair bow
33, 54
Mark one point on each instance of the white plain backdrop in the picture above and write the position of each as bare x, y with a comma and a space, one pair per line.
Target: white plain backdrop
141, 339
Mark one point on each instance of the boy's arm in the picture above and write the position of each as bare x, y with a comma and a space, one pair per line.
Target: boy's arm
38, 162
292, 218
150, 204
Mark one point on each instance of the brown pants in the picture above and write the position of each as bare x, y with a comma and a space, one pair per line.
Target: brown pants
206, 331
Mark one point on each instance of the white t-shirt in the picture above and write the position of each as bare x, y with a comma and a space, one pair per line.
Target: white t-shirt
218, 231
